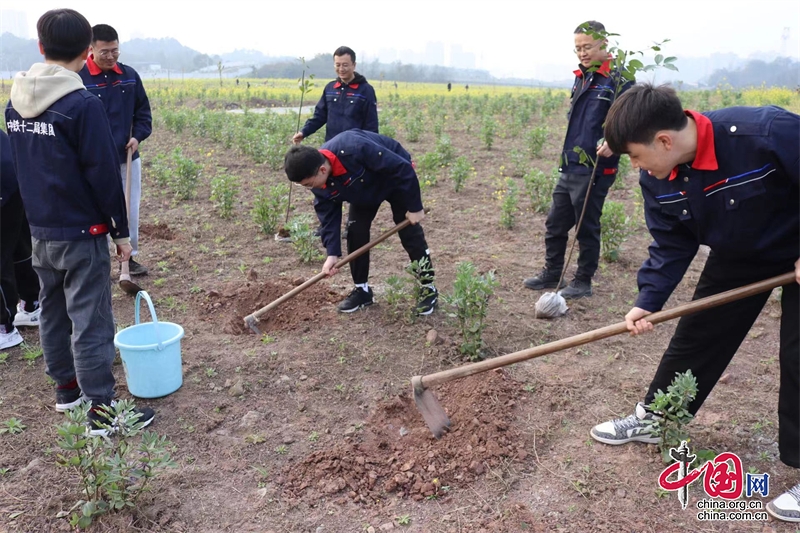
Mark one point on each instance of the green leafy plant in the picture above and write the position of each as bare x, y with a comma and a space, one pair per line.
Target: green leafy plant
12, 426
470, 303
672, 408
269, 206
397, 294
224, 189
31, 353
112, 473
539, 188
509, 200
421, 271
460, 170
535, 139
615, 228
488, 131
444, 149
185, 175
304, 242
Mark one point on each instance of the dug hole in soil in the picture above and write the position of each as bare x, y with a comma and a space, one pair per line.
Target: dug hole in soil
395, 453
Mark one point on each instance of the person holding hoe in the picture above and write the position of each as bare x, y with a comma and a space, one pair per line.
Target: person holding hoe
364, 169
68, 172
122, 92
593, 91
729, 179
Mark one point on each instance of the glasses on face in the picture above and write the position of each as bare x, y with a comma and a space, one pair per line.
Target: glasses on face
587, 47
109, 53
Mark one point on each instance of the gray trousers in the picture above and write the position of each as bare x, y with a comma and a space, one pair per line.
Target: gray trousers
77, 325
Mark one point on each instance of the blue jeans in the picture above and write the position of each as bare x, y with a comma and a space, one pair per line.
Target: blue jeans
135, 200
77, 325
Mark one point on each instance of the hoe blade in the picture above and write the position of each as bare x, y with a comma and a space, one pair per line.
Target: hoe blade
427, 403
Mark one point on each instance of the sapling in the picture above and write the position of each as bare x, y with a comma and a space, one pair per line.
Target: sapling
305, 243
470, 303
459, 172
673, 410
615, 228
113, 472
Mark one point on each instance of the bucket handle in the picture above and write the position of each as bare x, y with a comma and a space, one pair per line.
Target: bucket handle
139, 296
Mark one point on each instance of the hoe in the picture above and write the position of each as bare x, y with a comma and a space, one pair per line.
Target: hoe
438, 421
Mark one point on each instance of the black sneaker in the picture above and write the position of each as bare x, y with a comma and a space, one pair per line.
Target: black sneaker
427, 302
68, 396
136, 269
577, 288
101, 426
546, 279
357, 299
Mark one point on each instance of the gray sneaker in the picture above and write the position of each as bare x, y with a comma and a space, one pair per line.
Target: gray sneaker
624, 430
786, 507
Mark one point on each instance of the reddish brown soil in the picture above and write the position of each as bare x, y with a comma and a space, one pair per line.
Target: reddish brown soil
313, 305
393, 453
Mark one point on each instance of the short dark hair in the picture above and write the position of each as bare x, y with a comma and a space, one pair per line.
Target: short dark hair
345, 50
104, 32
64, 33
641, 112
302, 162
590, 25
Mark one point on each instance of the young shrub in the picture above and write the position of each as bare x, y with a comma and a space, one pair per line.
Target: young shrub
625, 170
460, 170
161, 171
615, 228
397, 295
304, 242
269, 206
509, 200
539, 188
224, 189
535, 140
672, 406
428, 167
185, 175
444, 150
113, 472
470, 303
519, 163
413, 126
488, 130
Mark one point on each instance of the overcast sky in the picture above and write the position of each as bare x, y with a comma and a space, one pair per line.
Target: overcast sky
508, 37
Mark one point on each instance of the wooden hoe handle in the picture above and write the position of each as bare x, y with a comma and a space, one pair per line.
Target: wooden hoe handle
608, 331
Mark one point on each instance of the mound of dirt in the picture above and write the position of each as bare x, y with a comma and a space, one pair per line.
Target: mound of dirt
395, 451
239, 301
157, 231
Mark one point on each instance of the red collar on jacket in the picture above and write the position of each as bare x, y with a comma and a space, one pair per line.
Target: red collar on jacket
603, 70
94, 70
337, 168
339, 84
705, 158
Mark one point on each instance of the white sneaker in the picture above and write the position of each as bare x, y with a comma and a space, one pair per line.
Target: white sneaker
632, 428
7, 340
786, 507
24, 318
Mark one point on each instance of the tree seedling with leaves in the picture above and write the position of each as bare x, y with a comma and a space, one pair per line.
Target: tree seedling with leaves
113, 472
672, 408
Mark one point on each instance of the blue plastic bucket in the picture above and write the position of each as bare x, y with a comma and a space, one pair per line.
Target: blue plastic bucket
151, 354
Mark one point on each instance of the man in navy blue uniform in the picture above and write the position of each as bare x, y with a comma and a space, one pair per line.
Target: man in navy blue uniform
729, 179
364, 169
347, 103
120, 89
68, 174
595, 88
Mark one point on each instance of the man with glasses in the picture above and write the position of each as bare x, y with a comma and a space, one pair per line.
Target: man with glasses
593, 92
128, 109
